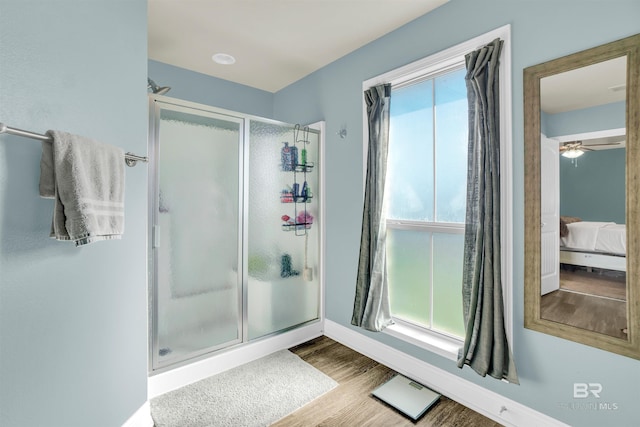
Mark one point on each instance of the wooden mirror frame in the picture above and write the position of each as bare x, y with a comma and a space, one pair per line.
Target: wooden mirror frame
629, 47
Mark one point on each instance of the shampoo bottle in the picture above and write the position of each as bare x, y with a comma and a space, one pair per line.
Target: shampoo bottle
286, 157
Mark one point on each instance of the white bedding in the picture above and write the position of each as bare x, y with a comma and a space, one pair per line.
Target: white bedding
612, 239
606, 237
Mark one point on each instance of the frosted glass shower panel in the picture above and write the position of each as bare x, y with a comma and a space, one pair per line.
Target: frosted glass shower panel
196, 233
283, 222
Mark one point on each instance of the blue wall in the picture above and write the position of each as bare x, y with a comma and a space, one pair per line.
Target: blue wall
603, 117
73, 332
203, 89
593, 186
541, 30
73, 337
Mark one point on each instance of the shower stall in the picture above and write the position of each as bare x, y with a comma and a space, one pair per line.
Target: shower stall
234, 230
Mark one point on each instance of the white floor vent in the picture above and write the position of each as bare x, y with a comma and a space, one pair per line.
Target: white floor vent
407, 396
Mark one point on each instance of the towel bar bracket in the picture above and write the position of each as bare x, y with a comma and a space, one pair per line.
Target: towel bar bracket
131, 159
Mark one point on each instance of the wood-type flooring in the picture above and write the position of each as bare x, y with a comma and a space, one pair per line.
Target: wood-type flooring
351, 404
609, 285
588, 301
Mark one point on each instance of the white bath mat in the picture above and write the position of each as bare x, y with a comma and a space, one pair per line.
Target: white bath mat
255, 394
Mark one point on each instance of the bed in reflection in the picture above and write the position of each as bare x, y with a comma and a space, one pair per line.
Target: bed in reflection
593, 244
592, 278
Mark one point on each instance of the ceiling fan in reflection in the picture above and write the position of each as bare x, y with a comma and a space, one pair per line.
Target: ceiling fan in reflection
573, 149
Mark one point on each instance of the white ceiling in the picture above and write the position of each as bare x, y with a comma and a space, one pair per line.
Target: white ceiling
597, 84
275, 42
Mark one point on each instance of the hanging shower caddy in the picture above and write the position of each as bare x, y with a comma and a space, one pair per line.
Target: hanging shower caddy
299, 193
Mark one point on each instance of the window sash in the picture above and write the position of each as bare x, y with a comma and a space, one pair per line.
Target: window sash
442, 334
455, 66
432, 130
433, 286
434, 227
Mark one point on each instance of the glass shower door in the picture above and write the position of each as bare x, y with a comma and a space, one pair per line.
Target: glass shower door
195, 233
283, 283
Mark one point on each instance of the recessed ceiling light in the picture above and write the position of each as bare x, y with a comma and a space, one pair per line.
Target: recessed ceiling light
223, 58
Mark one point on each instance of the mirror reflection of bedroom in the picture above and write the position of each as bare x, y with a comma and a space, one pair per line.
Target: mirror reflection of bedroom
583, 157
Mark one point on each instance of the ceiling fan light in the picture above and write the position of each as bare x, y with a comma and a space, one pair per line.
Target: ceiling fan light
572, 153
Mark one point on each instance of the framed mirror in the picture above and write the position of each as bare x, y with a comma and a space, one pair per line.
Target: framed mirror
582, 197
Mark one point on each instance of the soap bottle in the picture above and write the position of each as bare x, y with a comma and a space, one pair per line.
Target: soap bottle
294, 157
285, 265
286, 157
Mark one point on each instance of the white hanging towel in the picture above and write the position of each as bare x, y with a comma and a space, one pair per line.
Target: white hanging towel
86, 179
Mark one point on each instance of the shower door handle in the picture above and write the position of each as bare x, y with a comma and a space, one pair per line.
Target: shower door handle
156, 236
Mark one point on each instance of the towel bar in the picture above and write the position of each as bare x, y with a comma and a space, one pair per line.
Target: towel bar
129, 158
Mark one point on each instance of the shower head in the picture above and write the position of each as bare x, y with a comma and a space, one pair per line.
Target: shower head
157, 89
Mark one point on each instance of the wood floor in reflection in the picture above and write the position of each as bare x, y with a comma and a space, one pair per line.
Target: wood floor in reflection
351, 403
588, 301
607, 284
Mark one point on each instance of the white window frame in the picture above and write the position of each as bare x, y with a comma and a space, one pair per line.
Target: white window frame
437, 343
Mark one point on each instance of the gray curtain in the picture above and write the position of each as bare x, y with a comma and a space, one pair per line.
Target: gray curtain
485, 349
371, 309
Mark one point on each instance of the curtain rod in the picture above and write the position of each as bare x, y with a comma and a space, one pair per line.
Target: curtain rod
129, 158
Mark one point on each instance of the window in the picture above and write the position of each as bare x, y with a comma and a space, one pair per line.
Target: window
426, 201
425, 195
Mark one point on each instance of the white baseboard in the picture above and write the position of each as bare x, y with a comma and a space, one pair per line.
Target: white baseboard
492, 405
228, 359
141, 418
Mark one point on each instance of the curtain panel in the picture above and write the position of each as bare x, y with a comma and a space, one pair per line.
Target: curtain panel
371, 308
486, 349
